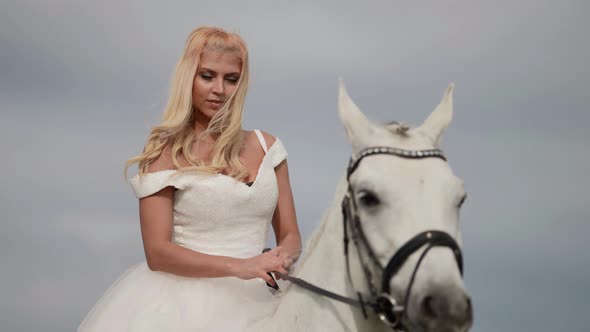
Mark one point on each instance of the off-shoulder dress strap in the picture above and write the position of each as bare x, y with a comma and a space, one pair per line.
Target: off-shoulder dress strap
150, 183
277, 152
261, 140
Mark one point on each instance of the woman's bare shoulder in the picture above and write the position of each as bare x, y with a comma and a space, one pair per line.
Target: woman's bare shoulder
163, 162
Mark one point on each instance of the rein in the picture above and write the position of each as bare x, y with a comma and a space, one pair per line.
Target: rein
381, 301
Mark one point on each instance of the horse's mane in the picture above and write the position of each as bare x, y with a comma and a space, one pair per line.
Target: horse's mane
395, 127
399, 128
317, 234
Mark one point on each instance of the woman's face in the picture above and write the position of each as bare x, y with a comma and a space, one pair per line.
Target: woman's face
216, 79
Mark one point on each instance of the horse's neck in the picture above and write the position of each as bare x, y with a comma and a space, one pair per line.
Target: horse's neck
323, 260
323, 265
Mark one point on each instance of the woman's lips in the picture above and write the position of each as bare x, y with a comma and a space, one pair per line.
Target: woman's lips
214, 103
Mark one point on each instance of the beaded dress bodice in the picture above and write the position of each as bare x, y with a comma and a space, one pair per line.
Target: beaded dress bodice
218, 214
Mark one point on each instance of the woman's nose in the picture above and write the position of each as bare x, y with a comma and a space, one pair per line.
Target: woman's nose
219, 87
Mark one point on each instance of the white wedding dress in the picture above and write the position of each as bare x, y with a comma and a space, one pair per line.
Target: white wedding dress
214, 214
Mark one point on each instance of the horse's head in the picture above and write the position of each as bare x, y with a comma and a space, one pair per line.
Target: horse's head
396, 198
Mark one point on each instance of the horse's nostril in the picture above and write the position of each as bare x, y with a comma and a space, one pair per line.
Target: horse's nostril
428, 308
444, 305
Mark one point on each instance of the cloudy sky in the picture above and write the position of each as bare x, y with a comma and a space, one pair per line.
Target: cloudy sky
81, 83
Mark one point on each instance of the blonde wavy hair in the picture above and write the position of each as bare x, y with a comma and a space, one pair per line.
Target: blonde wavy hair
176, 128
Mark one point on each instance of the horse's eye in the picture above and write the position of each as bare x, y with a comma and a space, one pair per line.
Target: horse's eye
462, 200
368, 198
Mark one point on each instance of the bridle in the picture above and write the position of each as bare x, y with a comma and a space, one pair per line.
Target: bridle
384, 304
381, 301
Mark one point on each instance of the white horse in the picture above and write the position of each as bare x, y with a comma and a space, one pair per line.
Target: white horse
395, 199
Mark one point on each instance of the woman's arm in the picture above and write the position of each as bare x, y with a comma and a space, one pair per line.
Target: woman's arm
284, 220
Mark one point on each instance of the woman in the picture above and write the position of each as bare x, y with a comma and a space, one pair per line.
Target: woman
207, 191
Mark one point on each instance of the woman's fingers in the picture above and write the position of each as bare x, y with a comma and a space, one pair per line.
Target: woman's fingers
281, 253
287, 264
276, 251
268, 278
278, 268
283, 271
273, 261
280, 271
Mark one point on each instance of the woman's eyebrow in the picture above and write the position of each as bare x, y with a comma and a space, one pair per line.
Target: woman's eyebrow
202, 69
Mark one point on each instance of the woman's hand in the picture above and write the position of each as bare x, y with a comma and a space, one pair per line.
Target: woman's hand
287, 258
259, 266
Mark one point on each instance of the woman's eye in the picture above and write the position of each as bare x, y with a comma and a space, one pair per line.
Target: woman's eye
233, 79
368, 199
206, 76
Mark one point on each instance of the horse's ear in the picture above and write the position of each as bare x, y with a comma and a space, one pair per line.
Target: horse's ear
355, 122
436, 123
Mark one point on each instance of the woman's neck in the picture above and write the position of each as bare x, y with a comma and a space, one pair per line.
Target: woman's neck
200, 125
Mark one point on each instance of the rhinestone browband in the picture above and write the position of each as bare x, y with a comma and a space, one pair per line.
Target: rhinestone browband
410, 154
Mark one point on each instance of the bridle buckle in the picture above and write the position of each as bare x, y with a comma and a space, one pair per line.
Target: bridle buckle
388, 310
